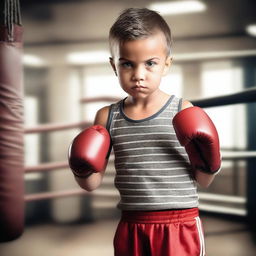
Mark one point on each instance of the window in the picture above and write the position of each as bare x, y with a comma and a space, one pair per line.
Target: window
173, 83
221, 78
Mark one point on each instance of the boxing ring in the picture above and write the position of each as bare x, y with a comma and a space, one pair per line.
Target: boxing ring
12, 170
245, 96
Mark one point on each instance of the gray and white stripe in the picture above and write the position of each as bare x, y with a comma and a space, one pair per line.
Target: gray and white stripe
152, 169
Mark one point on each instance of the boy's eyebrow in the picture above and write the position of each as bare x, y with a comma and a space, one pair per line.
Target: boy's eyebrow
153, 58
124, 59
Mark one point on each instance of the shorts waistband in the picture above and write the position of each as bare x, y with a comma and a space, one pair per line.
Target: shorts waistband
165, 216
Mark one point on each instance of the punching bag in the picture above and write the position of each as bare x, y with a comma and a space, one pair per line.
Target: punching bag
11, 123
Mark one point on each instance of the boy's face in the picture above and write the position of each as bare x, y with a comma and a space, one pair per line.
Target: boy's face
140, 64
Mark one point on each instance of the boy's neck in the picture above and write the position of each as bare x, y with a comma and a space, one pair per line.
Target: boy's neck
143, 108
154, 99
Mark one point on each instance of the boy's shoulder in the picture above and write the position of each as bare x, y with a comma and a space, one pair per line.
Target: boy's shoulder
186, 104
102, 116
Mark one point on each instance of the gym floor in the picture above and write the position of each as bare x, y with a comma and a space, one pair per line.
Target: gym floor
223, 237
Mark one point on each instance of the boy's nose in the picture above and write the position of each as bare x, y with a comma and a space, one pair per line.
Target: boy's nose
138, 74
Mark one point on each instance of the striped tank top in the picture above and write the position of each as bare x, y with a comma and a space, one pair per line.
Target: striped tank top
152, 169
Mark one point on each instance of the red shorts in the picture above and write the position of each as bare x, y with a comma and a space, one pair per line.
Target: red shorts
160, 233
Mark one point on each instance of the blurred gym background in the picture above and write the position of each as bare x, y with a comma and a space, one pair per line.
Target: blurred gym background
67, 78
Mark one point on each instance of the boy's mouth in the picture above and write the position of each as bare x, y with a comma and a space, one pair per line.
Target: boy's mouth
137, 87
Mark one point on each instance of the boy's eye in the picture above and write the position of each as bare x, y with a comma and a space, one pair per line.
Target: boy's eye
126, 64
150, 63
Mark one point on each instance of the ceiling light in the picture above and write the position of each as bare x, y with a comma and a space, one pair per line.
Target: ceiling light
178, 7
32, 60
90, 57
251, 29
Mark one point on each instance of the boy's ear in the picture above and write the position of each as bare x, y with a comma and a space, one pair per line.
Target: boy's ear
168, 63
111, 61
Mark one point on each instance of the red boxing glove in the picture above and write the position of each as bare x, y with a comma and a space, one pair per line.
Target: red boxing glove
89, 151
197, 133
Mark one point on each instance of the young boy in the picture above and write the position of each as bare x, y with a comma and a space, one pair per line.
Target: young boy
155, 175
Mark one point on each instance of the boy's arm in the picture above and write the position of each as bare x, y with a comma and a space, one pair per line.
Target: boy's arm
94, 179
204, 179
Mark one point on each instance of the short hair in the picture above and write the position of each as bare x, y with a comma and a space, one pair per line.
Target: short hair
138, 23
